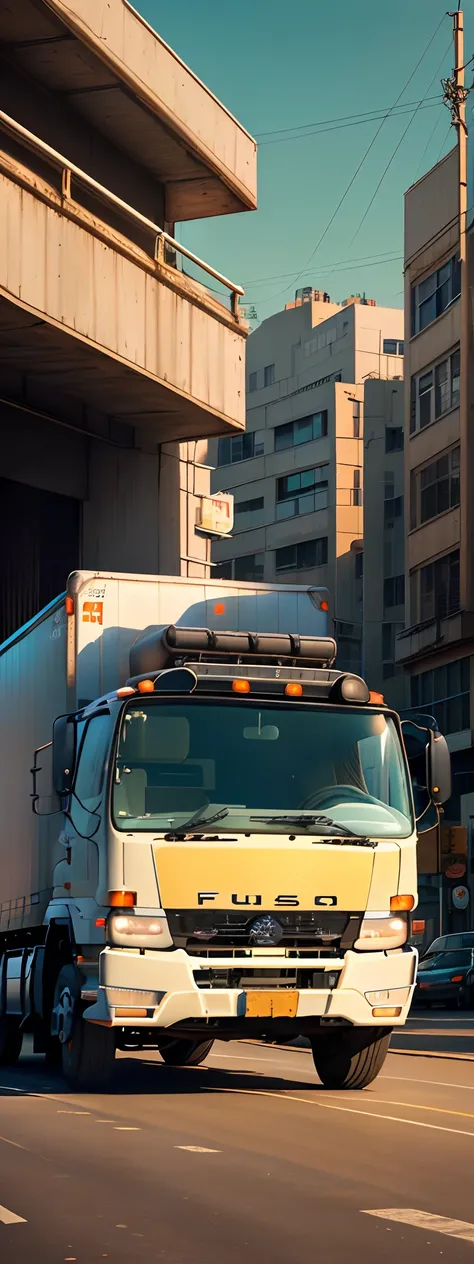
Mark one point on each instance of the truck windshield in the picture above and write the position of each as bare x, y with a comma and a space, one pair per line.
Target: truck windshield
193, 756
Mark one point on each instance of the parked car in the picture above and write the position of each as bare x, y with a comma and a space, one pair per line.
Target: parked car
446, 976
450, 943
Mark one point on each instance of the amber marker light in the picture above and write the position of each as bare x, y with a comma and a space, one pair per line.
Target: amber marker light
122, 899
241, 686
294, 689
402, 903
146, 686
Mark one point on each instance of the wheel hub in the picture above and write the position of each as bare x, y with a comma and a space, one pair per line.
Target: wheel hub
62, 1017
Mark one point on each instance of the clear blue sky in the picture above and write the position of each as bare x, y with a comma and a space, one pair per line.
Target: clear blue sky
277, 66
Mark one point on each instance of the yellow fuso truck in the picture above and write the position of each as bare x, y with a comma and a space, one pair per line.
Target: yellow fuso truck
223, 836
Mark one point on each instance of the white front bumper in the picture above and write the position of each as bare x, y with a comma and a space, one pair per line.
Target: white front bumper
164, 985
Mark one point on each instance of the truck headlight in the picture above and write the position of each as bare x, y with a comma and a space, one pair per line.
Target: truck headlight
380, 931
135, 930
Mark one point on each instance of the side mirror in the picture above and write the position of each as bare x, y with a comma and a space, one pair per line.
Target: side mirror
64, 754
429, 762
439, 768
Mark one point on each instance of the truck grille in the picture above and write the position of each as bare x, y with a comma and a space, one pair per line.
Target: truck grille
208, 931
264, 980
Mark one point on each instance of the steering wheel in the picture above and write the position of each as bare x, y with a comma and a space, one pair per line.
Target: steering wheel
329, 795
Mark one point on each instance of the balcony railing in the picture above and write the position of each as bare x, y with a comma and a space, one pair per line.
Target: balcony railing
69, 172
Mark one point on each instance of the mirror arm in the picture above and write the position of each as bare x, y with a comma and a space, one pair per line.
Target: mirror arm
35, 770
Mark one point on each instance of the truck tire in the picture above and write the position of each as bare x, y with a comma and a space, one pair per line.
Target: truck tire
88, 1051
180, 1053
11, 1040
351, 1057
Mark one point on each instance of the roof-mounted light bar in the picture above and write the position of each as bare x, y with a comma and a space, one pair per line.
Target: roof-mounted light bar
163, 647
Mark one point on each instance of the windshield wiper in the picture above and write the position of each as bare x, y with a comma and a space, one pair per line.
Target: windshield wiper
195, 823
326, 822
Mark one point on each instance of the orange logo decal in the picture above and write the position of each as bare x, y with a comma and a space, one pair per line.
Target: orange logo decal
92, 612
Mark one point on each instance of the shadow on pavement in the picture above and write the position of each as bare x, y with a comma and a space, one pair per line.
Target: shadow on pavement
140, 1075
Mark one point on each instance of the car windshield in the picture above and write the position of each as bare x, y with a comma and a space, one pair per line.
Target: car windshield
190, 757
446, 961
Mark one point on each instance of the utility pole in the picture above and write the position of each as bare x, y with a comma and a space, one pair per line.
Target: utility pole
455, 95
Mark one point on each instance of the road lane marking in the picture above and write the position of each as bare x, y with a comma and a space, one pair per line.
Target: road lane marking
73, 1112
16, 1144
405, 1079
125, 1128
9, 1217
197, 1149
424, 1220
347, 1110
411, 1079
438, 1110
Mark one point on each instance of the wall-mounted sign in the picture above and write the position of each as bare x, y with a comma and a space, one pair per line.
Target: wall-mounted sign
460, 897
215, 514
456, 869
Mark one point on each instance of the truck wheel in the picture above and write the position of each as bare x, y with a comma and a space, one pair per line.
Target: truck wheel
88, 1051
180, 1053
11, 1040
352, 1057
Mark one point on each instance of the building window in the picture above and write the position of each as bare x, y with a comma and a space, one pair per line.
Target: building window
444, 694
394, 438
247, 569
434, 489
356, 418
302, 556
390, 632
356, 494
269, 375
302, 493
301, 431
434, 589
252, 382
392, 508
359, 565
241, 447
431, 297
434, 392
393, 346
249, 506
394, 591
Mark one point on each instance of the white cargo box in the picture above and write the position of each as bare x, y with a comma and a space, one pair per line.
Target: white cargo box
77, 649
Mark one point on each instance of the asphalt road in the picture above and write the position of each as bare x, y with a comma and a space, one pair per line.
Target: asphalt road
437, 1030
246, 1158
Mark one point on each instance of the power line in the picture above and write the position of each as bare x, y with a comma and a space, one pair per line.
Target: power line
336, 125
356, 268
393, 154
280, 276
358, 169
444, 142
425, 151
340, 118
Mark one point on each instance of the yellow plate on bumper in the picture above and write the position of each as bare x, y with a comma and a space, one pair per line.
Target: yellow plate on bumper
271, 1004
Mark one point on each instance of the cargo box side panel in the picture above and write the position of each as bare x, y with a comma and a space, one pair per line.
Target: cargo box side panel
113, 611
32, 694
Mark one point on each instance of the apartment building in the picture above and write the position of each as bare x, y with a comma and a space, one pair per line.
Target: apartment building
384, 538
436, 648
115, 363
297, 472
